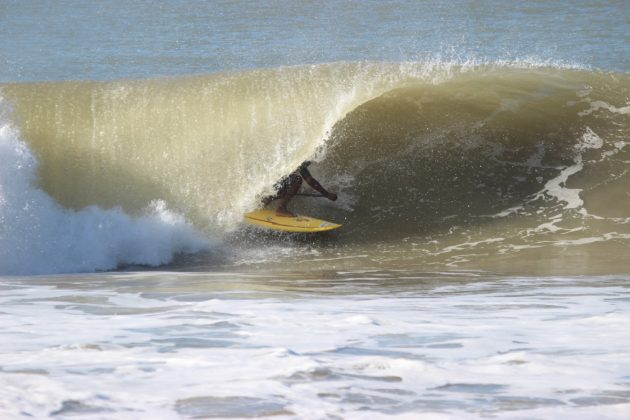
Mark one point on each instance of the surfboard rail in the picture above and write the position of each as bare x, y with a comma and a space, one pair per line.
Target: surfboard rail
301, 224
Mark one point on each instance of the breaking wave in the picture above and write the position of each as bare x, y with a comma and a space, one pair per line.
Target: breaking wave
515, 155
38, 236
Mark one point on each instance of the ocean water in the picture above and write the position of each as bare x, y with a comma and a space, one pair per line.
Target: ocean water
479, 150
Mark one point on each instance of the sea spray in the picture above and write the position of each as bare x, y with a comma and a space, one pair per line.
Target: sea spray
209, 145
37, 235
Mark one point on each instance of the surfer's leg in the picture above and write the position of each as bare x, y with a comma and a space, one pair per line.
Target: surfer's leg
281, 188
294, 184
268, 199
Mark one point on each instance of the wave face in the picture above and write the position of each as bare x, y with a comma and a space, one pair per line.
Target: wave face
207, 145
487, 144
511, 156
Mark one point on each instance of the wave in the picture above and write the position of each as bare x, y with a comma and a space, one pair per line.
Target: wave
415, 149
207, 145
38, 236
488, 142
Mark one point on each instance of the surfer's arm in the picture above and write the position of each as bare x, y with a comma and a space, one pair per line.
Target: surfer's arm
318, 187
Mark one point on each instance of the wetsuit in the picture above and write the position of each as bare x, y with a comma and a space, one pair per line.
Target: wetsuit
283, 185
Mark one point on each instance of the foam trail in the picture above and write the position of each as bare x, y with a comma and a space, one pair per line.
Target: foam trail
556, 187
39, 236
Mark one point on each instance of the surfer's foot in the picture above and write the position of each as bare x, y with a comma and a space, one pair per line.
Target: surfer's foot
283, 212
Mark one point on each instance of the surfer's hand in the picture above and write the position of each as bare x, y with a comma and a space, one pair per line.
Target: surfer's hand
332, 196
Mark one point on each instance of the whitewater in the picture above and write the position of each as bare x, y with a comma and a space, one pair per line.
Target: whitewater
481, 162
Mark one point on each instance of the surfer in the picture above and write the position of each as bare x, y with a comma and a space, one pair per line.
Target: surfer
288, 186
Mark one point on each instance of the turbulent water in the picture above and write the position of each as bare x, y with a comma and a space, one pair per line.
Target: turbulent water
483, 172
281, 345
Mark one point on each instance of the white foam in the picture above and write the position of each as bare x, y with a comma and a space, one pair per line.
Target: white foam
590, 140
507, 212
619, 145
39, 236
556, 187
597, 105
467, 349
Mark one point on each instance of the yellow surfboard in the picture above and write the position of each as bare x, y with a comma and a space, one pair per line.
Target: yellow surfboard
306, 224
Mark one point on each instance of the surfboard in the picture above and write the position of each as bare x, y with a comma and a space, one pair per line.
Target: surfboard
305, 224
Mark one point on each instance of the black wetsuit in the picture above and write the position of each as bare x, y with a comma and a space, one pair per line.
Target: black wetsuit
283, 185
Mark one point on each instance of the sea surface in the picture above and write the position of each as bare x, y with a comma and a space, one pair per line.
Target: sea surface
480, 151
